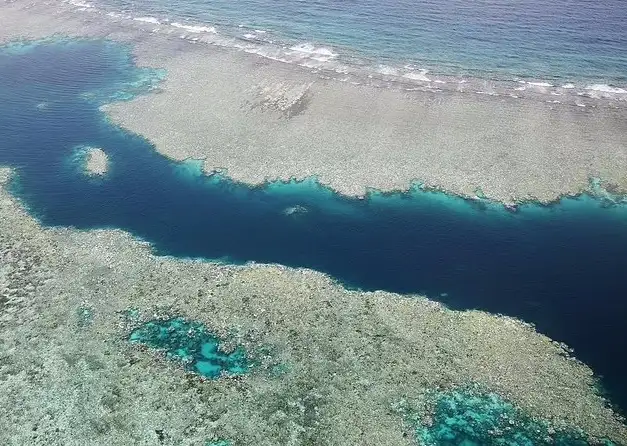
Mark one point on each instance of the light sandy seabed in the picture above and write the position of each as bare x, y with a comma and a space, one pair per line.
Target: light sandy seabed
350, 355
263, 120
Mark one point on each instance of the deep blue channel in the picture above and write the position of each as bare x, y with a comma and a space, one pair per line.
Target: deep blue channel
561, 267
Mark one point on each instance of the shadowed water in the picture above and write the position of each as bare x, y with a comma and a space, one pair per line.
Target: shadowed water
559, 267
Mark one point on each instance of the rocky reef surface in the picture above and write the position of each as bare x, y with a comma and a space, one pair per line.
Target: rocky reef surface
96, 161
311, 362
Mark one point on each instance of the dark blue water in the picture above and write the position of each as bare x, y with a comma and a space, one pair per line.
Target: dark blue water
561, 267
562, 40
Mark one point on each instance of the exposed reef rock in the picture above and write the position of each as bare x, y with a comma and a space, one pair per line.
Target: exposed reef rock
96, 161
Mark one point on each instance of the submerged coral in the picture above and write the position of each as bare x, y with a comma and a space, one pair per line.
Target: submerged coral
191, 343
485, 419
219, 443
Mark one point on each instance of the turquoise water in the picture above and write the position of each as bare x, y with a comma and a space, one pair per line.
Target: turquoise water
558, 267
468, 418
191, 344
561, 41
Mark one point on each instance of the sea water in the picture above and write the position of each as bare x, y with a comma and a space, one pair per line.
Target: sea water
560, 41
560, 267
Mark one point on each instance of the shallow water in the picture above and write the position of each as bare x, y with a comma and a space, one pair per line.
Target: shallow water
191, 344
563, 40
470, 418
559, 267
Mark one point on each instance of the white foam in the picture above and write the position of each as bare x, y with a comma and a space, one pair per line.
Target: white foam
568, 86
147, 20
321, 54
81, 4
386, 70
195, 29
520, 88
606, 89
268, 52
540, 84
420, 76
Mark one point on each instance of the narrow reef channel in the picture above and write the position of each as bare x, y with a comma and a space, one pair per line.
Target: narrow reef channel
555, 266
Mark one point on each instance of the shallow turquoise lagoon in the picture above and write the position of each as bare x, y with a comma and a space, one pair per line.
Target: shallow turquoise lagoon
559, 267
191, 344
469, 418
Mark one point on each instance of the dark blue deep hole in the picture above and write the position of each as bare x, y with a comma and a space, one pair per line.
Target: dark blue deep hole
560, 267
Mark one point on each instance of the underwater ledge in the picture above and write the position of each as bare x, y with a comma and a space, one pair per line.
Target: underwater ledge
606, 193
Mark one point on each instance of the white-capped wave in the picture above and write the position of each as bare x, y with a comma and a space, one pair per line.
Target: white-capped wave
420, 76
195, 28
606, 89
386, 70
540, 84
81, 4
568, 86
269, 52
322, 54
152, 20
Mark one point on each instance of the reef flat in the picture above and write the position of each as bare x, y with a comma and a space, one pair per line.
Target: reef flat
263, 120
332, 365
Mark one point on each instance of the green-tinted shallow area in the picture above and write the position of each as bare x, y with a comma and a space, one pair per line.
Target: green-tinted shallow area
190, 343
466, 418
219, 443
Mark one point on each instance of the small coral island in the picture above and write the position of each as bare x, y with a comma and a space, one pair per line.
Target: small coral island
96, 161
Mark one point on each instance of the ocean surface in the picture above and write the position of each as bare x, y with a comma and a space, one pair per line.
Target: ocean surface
562, 41
560, 267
